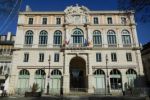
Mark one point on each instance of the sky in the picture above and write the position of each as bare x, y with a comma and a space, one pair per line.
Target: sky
59, 5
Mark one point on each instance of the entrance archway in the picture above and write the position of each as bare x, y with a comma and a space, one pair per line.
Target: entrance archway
77, 74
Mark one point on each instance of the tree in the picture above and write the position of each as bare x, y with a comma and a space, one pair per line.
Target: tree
141, 8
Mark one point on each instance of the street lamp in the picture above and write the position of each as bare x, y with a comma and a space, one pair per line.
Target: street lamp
48, 77
108, 90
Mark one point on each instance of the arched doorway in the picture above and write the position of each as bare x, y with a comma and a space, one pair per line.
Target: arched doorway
55, 83
99, 77
131, 76
40, 79
23, 85
115, 79
77, 74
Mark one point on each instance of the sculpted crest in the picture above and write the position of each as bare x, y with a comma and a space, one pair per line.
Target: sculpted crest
76, 14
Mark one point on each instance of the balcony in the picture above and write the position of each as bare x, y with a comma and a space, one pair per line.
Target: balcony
42, 45
112, 45
28, 45
76, 47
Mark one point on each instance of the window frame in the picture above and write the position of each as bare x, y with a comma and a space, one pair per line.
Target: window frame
95, 20
109, 20
26, 57
98, 57
58, 22
114, 57
41, 57
44, 22
30, 20
129, 57
43, 37
97, 38
56, 57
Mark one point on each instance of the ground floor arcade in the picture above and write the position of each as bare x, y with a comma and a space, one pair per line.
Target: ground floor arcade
102, 80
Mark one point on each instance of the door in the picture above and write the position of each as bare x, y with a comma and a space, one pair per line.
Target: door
55, 85
100, 84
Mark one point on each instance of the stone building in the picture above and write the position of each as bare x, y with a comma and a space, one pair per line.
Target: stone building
6, 51
76, 50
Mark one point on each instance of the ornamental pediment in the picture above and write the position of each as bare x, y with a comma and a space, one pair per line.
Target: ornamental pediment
76, 14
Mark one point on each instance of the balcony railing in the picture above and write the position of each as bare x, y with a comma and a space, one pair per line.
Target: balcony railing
28, 45
42, 45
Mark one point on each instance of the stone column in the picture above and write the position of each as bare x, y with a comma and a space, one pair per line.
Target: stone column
104, 38
135, 36
66, 76
119, 37
90, 75
124, 79
31, 80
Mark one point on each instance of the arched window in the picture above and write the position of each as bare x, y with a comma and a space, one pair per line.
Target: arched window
43, 37
78, 37
126, 39
29, 37
131, 71
40, 72
24, 72
97, 39
56, 72
115, 79
57, 38
111, 37
99, 72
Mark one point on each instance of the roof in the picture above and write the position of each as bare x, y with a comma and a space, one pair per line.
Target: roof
62, 12
6, 42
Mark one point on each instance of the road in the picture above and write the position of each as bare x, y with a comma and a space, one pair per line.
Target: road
74, 98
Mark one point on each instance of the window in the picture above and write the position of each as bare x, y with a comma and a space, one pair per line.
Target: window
44, 21
97, 39
95, 20
123, 20
126, 37
109, 20
99, 72
58, 20
56, 57
30, 21
41, 57
98, 57
57, 38
111, 37
115, 80
113, 57
26, 57
56, 72
29, 37
43, 37
128, 56
78, 37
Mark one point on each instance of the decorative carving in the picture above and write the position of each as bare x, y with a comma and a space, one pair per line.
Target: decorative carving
76, 14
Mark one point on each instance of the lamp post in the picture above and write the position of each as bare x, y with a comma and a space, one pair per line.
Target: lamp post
108, 90
48, 77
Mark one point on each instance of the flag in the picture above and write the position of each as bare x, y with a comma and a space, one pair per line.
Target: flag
85, 42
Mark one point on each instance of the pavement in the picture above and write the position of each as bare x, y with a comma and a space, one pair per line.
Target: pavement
74, 98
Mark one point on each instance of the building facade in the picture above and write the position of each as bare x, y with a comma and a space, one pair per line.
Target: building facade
6, 52
146, 61
76, 49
